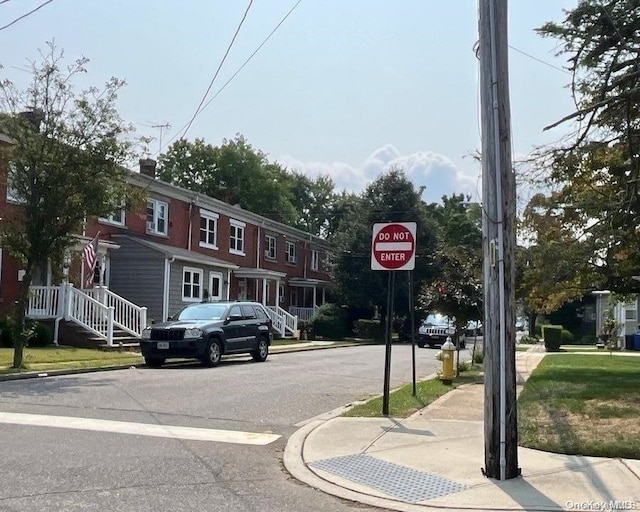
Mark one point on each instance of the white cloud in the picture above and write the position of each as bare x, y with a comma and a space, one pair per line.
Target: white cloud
436, 172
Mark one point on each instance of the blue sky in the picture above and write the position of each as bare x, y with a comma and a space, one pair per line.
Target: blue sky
345, 87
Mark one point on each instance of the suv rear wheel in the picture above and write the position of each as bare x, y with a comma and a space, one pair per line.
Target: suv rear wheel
213, 354
262, 350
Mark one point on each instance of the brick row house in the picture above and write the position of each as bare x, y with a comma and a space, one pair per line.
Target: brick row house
179, 248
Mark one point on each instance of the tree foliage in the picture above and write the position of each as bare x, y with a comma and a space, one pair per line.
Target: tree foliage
586, 227
65, 162
315, 201
233, 172
456, 288
391, 198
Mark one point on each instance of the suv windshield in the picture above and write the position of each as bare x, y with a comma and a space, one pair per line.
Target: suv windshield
437, 319
202, 312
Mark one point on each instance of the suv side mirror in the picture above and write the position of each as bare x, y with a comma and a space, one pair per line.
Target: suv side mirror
231, 318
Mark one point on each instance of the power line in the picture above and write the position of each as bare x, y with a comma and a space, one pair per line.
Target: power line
540, 60
252, 55
243, 65
224, 58
25, 15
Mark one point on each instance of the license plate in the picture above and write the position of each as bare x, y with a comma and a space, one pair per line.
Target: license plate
163, 345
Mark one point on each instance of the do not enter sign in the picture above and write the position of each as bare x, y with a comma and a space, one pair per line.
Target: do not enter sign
393, 246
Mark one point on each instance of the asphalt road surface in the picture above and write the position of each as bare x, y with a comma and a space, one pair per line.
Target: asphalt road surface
183, 437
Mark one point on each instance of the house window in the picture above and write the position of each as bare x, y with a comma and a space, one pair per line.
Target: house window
208, 229
291, 252
157, 214
12, 193
236, 237
315, 258
215, 286
270, 247
191, 284
117, 217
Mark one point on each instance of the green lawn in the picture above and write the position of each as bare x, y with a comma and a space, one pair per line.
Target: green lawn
582, 404
48, 358
402, 403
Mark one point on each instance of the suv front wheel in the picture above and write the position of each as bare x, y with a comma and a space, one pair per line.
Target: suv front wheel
262, 350
213, 354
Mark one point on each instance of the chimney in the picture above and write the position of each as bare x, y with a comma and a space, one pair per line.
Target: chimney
148, 167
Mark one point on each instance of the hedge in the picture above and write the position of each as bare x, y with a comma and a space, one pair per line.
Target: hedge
552, 335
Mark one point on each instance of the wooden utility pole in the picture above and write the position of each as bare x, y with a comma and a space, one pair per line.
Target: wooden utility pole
498, 200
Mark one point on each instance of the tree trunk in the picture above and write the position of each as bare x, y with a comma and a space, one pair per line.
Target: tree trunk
19, 326
532, 323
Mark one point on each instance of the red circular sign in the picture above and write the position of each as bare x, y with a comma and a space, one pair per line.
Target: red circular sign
393, 246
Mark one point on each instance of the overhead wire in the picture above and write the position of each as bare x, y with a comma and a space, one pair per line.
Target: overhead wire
264, 41
24, 15
224, 58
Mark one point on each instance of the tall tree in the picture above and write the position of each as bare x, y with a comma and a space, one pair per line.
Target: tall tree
314, 200
456, 289
233, 172
391, 198
594, 175
65, 162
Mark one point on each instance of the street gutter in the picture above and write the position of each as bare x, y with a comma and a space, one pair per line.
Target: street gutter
275, 350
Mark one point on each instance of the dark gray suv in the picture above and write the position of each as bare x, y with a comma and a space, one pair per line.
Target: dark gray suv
207, 331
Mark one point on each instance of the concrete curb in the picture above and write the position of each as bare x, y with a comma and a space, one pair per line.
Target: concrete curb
294, 463
279, 349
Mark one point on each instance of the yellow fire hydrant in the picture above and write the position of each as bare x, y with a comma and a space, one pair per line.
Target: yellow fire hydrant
448, 372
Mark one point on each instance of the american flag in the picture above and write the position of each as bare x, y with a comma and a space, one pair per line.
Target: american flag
90, 253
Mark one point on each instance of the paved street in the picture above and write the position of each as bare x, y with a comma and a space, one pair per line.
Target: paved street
180, 438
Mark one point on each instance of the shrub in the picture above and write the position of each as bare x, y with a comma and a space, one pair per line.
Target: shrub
478, 357
552, 337
464, 366
529, 340
566, 337
370, 329
331, 321
40, 335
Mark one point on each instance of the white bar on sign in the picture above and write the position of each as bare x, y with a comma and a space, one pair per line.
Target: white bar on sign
393, 246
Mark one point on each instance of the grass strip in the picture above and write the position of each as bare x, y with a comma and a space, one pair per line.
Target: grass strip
60, 358
582, 405
402, 403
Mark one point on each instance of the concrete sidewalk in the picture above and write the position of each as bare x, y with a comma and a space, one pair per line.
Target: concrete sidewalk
433, 459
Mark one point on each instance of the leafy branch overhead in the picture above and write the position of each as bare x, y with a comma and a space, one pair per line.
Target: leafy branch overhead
589, 217
66, 144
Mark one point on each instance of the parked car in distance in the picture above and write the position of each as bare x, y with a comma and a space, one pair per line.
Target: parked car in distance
207, 331
522, 324
474, 328
435, 330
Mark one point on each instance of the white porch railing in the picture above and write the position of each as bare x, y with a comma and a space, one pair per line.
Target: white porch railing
302, 313
126, 315
44, 302
98, 310
282, 320
91, 314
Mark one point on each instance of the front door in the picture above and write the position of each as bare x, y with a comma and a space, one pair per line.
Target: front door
215, 286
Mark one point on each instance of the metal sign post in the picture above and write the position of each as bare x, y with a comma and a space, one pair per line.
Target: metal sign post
393, 247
